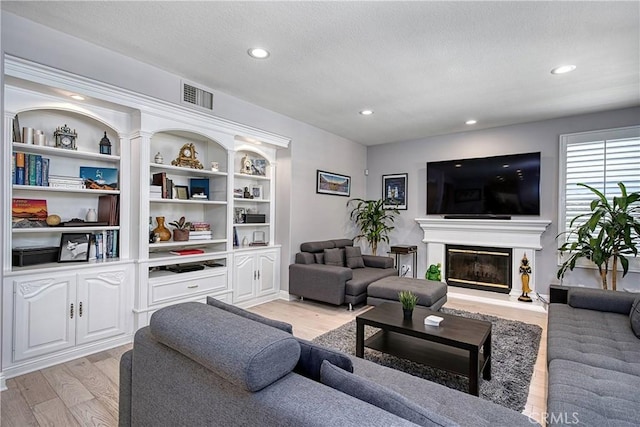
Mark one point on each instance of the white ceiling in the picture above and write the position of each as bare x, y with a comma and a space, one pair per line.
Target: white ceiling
423, 67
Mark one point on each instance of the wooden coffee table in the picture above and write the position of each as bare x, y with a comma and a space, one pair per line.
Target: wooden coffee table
453, 346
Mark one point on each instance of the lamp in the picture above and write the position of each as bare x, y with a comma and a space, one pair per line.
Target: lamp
105, 145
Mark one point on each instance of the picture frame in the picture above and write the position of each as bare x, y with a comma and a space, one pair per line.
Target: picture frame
259, 167
17, 137
333, 184
74, 247
258, 237
182, 192
256, 191
394, 191
238, 215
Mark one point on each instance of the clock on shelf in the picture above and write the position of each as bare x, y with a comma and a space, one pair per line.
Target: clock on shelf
187, 157
65, 138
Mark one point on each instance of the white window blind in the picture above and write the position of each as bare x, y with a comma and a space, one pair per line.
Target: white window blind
599, 159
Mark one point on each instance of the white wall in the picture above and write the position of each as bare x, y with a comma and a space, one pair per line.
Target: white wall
301, 214
543, 136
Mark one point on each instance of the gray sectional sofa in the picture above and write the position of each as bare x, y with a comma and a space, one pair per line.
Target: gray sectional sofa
198, 364
335, 272
593, 358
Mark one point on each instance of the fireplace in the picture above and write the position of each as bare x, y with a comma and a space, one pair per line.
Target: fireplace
475, 267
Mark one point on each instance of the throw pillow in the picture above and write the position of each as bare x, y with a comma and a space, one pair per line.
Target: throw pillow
354, 257
634, 317
312, 356
380, 396
319, 258
334, 257
283, 326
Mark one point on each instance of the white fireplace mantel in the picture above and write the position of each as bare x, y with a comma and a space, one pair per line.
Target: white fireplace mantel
523, 236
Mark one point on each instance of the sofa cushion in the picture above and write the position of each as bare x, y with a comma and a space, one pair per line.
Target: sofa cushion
363, 277
319, 257
354, 257
305, 258
334, 257
601, 300
634, 317
245, 353
378, 261
316, 246
311, 358
379, 396
593, 338
342, 243
283, 326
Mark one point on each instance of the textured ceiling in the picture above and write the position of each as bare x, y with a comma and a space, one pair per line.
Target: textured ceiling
423, 67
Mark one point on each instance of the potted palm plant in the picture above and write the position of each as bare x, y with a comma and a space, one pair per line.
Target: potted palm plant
606, 236
181, 233
373, 220
408, 300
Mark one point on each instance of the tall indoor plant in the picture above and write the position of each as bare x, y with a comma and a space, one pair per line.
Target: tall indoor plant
373, 220
606, 235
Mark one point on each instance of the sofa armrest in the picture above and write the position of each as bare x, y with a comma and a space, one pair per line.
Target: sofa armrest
601, 300
124, 400
377, 261
319, 282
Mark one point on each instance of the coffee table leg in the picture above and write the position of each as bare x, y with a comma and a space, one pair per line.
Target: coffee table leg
486, 373
359, 338
473, 372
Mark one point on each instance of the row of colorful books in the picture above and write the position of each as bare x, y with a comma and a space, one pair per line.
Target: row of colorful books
104, 245
29, 169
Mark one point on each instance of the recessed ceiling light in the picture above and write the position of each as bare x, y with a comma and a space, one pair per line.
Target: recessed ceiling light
563, 69
366, 112
258, 53
471, 122
77, 97
458, 165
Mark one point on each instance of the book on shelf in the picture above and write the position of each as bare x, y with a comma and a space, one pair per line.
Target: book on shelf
30, 209
199, 237
160, 179
45, 172
108, 209
99, 178
199, 186
199, 232
186, 251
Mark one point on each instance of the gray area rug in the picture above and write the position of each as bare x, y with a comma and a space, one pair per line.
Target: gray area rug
514, 351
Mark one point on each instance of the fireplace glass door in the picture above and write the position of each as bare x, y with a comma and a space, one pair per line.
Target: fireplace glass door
479, 268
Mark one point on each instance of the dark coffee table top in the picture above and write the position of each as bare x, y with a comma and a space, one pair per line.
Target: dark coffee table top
457, 331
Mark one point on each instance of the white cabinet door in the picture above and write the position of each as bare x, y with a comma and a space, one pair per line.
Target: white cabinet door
266, 272
244, 276
101, 305
45, 313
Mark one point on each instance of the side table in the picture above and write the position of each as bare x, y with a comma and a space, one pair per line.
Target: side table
406, 250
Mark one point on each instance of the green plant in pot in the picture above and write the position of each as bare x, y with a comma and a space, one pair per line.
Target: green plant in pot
373, 220
606, 236
408, 300
181, 233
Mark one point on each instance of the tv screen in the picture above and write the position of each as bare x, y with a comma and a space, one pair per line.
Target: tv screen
500, 185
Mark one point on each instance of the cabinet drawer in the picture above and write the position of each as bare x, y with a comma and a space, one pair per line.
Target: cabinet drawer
162, 292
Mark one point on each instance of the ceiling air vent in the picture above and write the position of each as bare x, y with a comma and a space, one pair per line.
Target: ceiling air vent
195, 96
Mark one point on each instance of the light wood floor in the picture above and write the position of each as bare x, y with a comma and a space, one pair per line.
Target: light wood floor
85, 391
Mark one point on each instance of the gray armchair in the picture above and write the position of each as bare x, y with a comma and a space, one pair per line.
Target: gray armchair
335, 272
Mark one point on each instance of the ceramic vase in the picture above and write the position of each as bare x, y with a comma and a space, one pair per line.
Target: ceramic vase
91, 216
161, 230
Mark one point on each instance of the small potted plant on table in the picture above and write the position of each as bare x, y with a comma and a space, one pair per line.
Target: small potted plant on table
408, 300
181, 233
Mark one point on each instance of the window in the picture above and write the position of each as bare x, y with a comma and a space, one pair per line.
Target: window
599, 159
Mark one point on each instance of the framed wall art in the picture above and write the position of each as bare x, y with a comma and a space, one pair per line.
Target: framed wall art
333, 183
394, 191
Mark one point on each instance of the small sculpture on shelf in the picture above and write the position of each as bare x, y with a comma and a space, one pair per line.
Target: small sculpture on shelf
105, 145
158, 158
247, 165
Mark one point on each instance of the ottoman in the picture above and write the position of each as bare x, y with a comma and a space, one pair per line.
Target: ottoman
431, 294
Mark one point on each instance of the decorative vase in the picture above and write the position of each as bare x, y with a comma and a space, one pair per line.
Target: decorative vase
161, 230
91, 216
407, 313
180, 235
158, 158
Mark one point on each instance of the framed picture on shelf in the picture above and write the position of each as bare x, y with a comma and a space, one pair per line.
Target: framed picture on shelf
74, 247
394, 191
182, 192
99, 178
256, 191
333, 183
238, 215
260, 167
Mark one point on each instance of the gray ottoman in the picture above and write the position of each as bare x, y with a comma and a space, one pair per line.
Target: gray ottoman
431, 294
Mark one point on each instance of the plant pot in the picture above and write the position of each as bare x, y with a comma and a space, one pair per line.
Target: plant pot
180, 235
161, 230
407, 313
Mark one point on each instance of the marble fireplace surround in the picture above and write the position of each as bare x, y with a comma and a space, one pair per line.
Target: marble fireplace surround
523, 236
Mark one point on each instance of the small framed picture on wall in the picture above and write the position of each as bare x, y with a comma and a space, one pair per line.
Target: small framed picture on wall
394, 191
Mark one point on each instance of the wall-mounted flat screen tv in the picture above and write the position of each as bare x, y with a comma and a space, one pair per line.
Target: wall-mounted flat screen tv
501, 185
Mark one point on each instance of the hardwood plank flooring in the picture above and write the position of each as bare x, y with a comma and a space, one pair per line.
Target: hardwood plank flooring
84, 391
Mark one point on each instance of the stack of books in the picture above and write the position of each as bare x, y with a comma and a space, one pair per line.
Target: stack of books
200, 231
155, 192
65, 181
